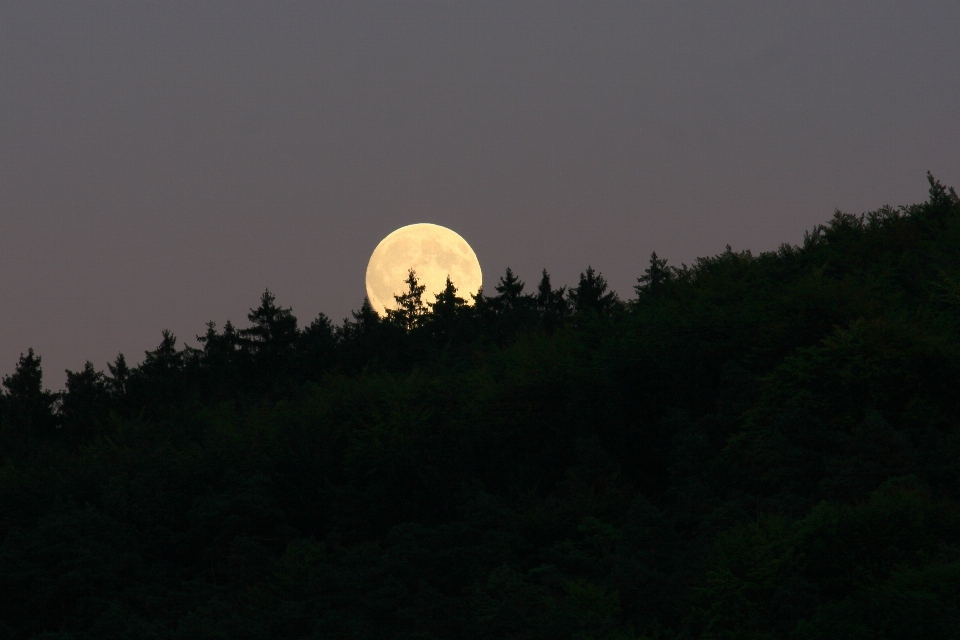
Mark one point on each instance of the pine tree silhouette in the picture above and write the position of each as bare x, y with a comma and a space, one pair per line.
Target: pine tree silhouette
551, 301
510, 288
591, 293
410, 305
28, 405
446, 308
119, 374
274, 329
87, 398
653, 279
366, 320
317, 346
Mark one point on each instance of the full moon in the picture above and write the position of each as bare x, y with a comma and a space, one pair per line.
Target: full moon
433, 252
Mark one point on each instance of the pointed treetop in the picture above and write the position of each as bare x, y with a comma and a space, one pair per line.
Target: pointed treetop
550, 300
592, 293
366, 318
655, 276
941, 195
165, 357
271, 325
544, 289
410, 308
120, 373
510, 286
27, 378
447, 301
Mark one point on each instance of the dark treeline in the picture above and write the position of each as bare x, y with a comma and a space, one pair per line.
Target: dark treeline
749, 447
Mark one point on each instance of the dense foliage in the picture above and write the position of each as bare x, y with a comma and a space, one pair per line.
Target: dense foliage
753, 447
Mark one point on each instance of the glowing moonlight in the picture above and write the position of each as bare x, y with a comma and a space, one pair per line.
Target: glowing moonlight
433, 252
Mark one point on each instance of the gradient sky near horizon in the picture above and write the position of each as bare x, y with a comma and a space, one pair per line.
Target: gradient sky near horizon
162, 163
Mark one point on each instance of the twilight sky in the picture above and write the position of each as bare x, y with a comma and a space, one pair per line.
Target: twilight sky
161, 164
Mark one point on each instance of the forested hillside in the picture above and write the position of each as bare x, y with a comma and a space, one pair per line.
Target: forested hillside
752, 446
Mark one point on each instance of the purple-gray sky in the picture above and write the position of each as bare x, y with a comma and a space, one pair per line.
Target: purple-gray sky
163, 163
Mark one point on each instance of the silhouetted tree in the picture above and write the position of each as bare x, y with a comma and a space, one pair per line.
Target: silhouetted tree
942, 200
591, 293
509, 290
119, 374
86, 401
29, 406
446, 310
366, 337
410, 307
165, 360
365, 321
271, 342
273, 329
447, 302
769, 451
482, 313
158, 382
222, 362
551, 302
219, 347
317, 346
653, 279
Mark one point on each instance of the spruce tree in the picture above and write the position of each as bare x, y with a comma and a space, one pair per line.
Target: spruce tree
366, 320
364, 337
158, 383
445, 310
165, 359
509, 289
119, 374
273, 328
220, 365
551, 301
943, 200
653, 279
220, 347
29, 406
86, 400
317, 347
591, 293
410, 308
